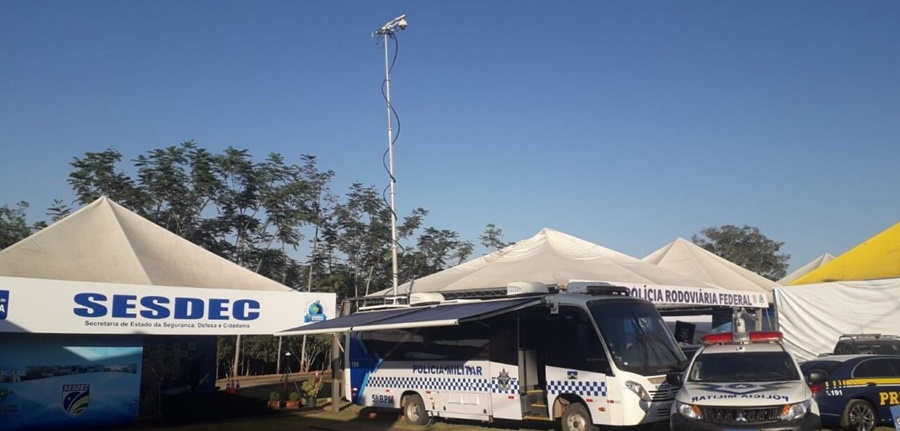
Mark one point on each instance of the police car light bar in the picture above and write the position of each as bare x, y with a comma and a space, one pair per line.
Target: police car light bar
754, 337
765, 336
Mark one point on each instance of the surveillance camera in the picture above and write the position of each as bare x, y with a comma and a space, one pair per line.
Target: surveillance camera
402, 24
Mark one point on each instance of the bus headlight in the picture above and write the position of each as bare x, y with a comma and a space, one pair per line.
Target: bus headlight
639, 390
688, 410
793, 412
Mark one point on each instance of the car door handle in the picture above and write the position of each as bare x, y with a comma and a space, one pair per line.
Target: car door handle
870, 384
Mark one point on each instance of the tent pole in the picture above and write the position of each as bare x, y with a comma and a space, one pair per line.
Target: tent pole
237, 356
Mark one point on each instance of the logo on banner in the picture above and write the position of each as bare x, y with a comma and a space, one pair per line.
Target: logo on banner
315, 312
572, 375
75, 398
4, 303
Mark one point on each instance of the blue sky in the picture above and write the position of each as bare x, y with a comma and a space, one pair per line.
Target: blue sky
627, 124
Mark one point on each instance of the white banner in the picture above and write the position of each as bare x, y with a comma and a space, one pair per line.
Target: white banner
76, 307
689, 296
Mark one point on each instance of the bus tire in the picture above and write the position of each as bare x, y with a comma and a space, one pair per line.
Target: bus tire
414, 411
575, 417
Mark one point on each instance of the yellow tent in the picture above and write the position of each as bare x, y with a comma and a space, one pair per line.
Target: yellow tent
876, 258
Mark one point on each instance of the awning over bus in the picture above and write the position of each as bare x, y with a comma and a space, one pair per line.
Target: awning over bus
414, 317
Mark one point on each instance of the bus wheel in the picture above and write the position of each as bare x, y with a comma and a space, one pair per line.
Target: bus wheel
575, 417
414, 411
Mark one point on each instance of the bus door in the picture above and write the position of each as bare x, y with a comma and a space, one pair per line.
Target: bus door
577, 365
457, 368
504, 369
531, 328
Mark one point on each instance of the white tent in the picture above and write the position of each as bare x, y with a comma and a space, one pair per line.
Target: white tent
806, 269
104, 269
813, 316
684, 257
104, 242
552, 258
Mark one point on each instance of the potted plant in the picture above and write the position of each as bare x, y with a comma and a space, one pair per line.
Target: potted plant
274, 400
293, 401
311, 388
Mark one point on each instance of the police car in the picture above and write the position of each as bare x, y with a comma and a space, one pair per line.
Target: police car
859, 389
746, 381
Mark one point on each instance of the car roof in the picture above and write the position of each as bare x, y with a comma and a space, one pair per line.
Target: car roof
869, 337
845, 358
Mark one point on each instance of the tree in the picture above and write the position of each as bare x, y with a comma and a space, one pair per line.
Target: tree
492, 238
95, 176
13, 224
258, 214
745, 246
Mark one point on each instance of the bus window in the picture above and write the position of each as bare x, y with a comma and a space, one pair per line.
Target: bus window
637, 337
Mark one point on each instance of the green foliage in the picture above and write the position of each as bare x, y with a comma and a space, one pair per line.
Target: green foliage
275, 217
294, 396
492, 238
13, 224
276, 396
312, 386
745, 246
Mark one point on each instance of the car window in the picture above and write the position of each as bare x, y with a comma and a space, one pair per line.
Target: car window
895, 363
842, 348
873, 368
886, 347
829, 367
743, 367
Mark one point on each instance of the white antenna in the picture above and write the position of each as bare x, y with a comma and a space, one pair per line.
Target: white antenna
388, 30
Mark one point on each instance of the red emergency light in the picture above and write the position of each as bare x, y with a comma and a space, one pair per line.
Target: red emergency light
753, 337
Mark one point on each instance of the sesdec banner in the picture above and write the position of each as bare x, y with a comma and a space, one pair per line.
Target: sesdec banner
74, 307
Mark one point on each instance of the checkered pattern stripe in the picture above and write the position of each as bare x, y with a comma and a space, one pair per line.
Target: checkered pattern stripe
577, 387
433, 383
513, 386
444, 384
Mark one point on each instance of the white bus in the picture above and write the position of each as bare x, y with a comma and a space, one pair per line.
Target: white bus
598, 357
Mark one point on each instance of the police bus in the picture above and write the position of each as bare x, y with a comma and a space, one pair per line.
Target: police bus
590, 356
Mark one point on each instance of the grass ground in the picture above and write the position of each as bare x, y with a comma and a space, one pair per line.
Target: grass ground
247, 411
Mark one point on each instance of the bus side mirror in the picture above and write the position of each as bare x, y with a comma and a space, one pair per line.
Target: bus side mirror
675, 379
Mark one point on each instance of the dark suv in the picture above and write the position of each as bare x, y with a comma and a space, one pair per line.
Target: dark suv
854, 344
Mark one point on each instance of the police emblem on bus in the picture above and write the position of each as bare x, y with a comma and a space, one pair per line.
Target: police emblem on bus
75, 398
4, 303
503, 380
572, 375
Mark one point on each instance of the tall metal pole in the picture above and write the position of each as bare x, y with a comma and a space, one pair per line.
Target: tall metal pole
390, 133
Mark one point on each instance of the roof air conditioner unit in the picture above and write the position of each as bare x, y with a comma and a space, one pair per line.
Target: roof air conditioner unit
425, 298
526, 288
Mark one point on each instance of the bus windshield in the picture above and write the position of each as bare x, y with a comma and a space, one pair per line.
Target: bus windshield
637, 337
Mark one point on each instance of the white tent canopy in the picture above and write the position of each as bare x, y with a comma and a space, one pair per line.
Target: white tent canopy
688, 259
108, 270
552, 258
806, 269
813, 316
104, 242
